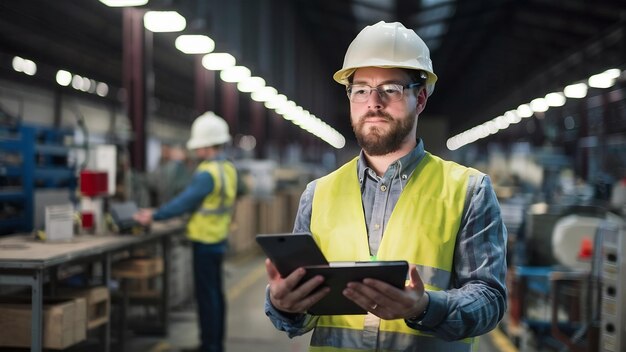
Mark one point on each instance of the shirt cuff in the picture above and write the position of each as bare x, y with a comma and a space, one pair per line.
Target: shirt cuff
435, 313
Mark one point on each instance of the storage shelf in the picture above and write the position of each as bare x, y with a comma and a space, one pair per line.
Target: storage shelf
43, 153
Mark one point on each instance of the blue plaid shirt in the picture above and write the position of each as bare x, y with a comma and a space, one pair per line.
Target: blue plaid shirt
477, 300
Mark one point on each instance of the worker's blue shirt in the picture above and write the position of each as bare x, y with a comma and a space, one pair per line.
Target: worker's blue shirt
188, 201
477, 300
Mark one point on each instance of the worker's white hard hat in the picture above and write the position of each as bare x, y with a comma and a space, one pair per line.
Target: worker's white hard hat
208, 130
387, 45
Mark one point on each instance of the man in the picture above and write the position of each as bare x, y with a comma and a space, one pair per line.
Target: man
397, 202
209, 198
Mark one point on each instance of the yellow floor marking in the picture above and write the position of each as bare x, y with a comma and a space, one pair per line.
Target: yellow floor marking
245, 282
161, 346
501, 341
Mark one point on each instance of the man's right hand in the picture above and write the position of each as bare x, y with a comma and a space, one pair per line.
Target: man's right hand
285, 293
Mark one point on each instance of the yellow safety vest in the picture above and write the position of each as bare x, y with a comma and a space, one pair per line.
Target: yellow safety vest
210, 222
422, 230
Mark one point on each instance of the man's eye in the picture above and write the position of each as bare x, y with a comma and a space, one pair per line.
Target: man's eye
360, 91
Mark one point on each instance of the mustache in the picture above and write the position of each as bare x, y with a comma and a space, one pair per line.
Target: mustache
379, 114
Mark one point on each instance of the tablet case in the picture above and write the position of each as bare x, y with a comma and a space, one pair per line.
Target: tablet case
289, 251
337, 278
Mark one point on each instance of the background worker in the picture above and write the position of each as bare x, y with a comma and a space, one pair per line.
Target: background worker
395, 201
209, 198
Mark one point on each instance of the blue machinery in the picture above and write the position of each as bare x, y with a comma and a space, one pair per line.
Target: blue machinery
31, 157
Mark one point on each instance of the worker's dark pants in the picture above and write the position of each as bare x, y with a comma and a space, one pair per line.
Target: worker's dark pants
207, 269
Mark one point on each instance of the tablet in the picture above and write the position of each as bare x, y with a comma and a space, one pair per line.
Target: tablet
337, 276
289, 251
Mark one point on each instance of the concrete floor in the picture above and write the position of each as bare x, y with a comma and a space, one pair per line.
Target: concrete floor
248, 328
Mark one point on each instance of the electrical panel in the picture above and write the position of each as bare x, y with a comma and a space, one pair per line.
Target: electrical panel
613, 297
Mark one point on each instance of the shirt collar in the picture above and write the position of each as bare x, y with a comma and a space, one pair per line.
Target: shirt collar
408, 163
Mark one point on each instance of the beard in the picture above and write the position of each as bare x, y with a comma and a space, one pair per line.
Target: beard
376, 141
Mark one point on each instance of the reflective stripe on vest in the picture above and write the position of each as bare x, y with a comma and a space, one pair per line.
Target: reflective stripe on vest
350, 339
211, 222
422, 230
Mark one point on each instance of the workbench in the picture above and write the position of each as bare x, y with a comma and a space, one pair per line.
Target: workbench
26, 261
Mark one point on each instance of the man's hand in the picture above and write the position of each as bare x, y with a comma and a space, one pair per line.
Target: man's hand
388, 302
143, 216
287, 296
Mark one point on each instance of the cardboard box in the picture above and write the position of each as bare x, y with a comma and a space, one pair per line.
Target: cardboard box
98, 301
243, 228
63, 322
138, 268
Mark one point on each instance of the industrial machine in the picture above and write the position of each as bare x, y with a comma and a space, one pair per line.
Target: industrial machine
612, 265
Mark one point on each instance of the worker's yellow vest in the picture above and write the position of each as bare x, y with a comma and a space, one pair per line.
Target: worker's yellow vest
422, 230
210, 223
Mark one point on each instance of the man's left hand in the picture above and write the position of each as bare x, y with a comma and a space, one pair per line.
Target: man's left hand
388, 302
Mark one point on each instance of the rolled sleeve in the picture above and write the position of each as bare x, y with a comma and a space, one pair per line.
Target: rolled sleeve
292, 324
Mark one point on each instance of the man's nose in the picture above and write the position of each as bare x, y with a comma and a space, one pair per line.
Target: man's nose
375, 101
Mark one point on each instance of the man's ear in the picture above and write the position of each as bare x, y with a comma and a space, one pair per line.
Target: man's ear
422, 97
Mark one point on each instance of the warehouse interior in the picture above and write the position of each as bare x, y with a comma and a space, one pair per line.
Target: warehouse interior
95, 104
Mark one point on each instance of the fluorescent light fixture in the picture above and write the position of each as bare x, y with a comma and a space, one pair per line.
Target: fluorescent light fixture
601, 80
234, 74
555, 99
77, 82
512, 116
264, 94
524, 111
24, 65
613, 73
124, 3
218, 61
276, 101
502, 122
284, 107
64, 78
251, 84
194, 44
164, 21
102, 89
539, 105
578, 90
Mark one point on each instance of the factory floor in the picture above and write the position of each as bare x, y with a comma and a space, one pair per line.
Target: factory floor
248, 328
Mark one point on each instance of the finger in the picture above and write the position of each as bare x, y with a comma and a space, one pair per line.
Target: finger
270, 268
361, 295
416, 280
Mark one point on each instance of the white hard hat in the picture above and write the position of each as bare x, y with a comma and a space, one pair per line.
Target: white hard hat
208, 130
387, 45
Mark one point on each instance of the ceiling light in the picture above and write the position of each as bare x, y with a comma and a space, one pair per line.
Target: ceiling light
601, 80
251, 84
234, 74
276, 101
102, 89
164, 21
194, 44
512, 116
24, 65
539, 105
124, 3
64, 78
555, 99
524, 111
218, 61
264, 94
578, 90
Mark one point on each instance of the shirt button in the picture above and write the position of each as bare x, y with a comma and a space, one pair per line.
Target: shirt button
377, 226
383, 188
